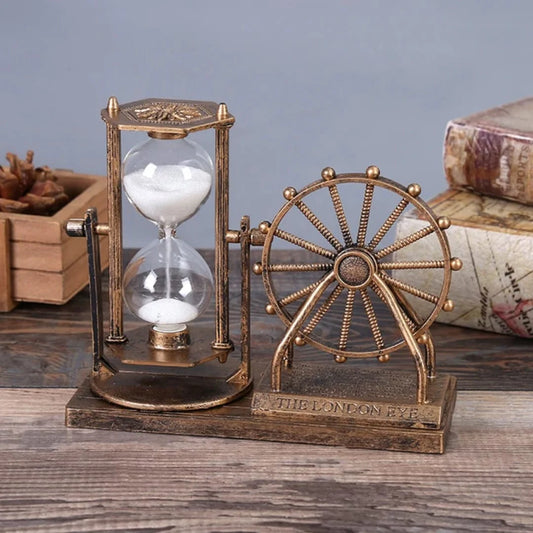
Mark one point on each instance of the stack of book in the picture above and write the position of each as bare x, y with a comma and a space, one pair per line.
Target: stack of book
488, 162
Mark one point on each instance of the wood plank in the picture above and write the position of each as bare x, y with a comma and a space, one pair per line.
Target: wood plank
46, 257
6, 289
59, 479
54, 287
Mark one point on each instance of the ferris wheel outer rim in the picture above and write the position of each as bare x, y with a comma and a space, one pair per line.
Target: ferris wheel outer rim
389, 185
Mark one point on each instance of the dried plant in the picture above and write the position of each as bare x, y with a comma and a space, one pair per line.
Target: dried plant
29, 190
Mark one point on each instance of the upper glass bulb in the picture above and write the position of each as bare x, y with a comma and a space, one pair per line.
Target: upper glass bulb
167, 180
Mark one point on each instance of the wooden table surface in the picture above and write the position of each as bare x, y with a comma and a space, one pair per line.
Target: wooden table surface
56, 479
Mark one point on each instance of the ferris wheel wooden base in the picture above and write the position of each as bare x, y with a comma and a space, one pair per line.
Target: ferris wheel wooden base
367, 408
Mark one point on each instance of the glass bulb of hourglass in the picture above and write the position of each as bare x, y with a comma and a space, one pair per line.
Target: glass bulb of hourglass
167, 283
167, 180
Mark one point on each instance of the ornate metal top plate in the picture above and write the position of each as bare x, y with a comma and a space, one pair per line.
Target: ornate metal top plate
166, 112
170, 116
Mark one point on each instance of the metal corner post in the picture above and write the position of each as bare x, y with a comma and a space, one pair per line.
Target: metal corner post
116, 323
222, 339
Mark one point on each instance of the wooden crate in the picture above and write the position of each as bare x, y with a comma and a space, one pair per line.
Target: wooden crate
41, 263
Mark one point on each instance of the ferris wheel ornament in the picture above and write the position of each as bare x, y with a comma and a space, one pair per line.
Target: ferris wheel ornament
343, 296
370, 407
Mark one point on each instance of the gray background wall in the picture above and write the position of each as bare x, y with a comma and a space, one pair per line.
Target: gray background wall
312, 83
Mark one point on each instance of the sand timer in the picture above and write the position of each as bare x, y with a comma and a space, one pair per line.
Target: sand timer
167, 283
171, 362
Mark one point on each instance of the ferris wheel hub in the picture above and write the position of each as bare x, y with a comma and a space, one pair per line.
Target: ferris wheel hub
354, 268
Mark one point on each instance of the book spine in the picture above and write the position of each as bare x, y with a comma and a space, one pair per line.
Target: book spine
489, 160
494, 289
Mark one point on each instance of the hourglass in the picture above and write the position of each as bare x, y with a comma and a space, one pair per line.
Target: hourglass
172, 365
167, 283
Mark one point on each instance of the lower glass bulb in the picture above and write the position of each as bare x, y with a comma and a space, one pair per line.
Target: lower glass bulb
168, 283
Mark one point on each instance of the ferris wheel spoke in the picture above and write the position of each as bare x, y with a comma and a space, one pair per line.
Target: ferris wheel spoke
346, 319
319, 225
409, 288
341, 216
386, 226
302, 243
372, 319
297, 295
365, 214
408, 265
406, 241
292, 267
322, 310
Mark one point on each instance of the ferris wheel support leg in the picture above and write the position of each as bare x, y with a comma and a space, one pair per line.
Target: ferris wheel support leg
289, 356
424, 339
430, 357
420, 359
285, 346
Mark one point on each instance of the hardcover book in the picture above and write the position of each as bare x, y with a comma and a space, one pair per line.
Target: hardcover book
494, 239
491, 152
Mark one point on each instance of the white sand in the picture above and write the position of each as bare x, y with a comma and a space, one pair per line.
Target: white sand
167, 194
168, 311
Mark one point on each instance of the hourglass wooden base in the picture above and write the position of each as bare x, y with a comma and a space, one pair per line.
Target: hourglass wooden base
150, 392
169, 380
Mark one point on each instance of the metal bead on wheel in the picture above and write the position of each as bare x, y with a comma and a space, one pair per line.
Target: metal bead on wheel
354, 265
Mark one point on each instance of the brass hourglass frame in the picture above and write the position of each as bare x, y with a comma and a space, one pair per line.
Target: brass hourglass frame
126, 369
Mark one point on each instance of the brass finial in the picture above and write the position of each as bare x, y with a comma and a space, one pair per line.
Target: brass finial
372, 172
414, 190
112, 105
289, 193
444, 222
222, 112
448, 306
264, 227
456, 263
299, 340
328, 174
423, 339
